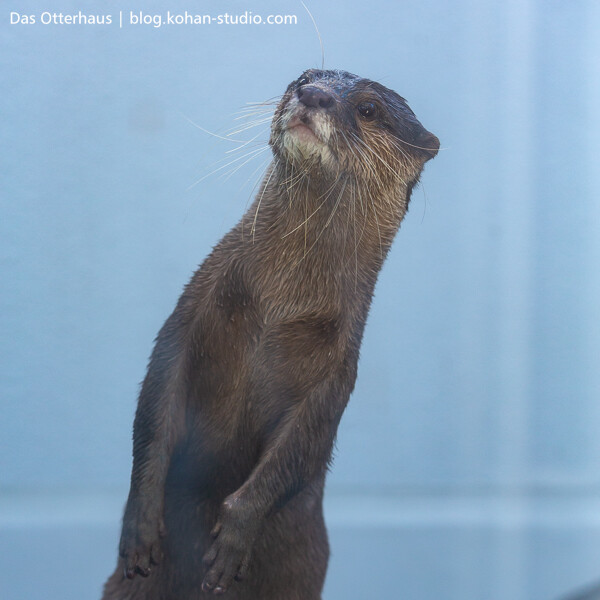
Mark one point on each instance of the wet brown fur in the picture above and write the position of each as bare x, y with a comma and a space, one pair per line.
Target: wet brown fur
251, 373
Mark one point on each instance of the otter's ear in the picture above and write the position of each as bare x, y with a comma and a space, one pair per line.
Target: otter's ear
427, 143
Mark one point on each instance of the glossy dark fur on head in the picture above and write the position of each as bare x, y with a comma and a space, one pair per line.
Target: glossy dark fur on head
250, 375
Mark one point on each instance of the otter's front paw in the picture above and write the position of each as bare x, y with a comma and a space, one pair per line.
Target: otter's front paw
227, 559
140, 548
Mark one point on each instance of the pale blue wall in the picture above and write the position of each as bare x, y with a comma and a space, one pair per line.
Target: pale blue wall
468, 462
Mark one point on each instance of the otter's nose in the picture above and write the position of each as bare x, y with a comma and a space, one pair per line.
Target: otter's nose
314, 97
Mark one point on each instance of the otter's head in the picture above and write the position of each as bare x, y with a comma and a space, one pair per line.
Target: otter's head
333, 123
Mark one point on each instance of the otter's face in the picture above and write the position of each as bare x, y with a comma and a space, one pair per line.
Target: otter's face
334, 122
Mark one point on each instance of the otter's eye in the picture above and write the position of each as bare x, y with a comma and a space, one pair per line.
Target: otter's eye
366, 110
303, 80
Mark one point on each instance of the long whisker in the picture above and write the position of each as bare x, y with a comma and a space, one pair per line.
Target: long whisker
254, 113
377, 223
313, 213
220, 137
252, 157
356, 241
367, 160
318, 34
247, 126
376, 155
256, 150
273, 101
253, 229
420, 147
333, 212
264, 165
246, 143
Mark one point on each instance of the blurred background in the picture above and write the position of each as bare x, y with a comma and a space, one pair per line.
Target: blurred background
468, 461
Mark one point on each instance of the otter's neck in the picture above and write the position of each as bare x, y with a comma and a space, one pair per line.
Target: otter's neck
330, 223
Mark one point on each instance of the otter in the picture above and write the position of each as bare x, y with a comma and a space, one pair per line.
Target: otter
249, 376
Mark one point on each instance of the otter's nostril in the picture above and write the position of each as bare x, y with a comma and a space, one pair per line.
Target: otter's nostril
314, 97
326, 101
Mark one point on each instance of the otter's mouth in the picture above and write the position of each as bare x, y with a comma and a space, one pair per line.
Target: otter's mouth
303, 133
306, 136
303, 129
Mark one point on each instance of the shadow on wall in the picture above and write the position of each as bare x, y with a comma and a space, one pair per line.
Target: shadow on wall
589, 593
